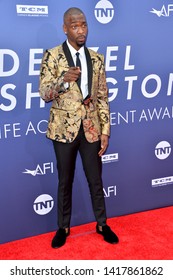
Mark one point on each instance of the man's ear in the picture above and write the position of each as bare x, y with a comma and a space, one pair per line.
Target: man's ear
65, 29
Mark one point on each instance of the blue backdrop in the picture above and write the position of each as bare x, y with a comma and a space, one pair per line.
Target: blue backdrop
136, 40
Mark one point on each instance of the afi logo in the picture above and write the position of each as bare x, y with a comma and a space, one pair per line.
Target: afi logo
162, 150
104, 11
111, 191
43, 204
41, 170
164, 12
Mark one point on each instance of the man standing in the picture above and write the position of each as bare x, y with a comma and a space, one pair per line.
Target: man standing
73, 78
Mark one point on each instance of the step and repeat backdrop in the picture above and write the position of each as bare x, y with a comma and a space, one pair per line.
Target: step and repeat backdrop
136, 40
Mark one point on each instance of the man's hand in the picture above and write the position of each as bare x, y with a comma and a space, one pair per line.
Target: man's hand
104, 144
72, 74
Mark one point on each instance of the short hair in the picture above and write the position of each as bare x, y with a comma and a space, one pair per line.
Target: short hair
72, 11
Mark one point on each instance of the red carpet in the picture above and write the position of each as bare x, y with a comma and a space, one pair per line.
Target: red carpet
143, 236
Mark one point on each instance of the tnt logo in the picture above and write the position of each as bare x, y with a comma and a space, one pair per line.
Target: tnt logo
43, 204
162, 150
104, 11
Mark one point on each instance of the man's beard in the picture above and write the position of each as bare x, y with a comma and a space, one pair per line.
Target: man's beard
80, 44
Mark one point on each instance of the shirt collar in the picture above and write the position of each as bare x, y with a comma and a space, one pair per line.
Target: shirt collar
74, 51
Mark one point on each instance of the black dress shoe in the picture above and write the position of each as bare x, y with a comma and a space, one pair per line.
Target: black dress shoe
108, 234
60, 238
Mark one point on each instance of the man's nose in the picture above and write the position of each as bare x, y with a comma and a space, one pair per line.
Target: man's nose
80, 30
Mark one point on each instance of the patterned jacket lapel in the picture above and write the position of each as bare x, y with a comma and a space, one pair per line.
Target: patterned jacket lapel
90, 71
68, 55
71, 64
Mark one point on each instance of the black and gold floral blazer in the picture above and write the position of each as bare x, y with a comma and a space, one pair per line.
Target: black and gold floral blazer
68, 107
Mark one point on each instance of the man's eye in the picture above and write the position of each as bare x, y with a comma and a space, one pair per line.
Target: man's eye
74, 27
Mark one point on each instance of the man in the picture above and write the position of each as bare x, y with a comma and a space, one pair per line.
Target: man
79, 119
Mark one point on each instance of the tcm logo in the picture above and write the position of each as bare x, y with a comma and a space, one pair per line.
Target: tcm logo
162, 181
41, 170
162, 150
32, 10
164, 12
109, 158
111, 191
104, 11
43, 204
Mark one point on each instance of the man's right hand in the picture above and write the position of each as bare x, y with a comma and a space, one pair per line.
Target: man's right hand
72, 74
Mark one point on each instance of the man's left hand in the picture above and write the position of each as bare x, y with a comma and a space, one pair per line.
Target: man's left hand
104, 144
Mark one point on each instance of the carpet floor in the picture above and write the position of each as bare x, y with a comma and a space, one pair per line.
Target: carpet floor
143, 236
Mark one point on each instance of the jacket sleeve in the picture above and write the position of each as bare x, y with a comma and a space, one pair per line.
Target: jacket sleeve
50, 85
102, 99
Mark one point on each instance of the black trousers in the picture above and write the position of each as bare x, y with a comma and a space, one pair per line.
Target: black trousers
66, 154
